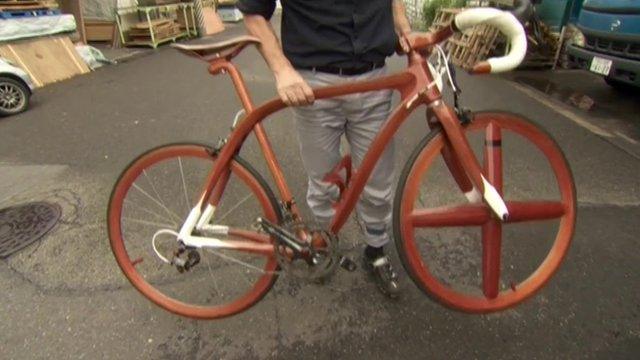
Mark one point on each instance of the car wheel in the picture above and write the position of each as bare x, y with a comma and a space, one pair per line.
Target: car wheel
14, 96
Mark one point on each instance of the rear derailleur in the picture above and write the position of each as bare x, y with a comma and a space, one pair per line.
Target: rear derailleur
184, 259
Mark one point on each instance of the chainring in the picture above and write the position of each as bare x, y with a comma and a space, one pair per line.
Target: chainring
296, 265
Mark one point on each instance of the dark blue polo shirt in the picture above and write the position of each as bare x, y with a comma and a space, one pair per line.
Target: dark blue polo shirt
343, 33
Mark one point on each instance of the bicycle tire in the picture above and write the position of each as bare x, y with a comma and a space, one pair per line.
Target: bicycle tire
125, 182
420, 273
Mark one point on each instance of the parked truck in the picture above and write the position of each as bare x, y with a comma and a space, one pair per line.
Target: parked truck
608, 41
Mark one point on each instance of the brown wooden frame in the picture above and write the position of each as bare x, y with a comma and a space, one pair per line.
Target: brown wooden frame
416, 87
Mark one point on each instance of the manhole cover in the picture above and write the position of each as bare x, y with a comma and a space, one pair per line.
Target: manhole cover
22, 225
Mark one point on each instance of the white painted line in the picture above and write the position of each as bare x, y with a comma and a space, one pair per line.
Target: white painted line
562, 111
633, 141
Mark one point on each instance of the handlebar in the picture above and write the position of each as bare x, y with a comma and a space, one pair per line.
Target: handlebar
504, 21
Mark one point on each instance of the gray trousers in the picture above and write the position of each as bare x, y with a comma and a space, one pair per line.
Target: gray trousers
320, 127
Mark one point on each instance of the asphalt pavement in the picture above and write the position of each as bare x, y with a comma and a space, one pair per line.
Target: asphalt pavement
66, 298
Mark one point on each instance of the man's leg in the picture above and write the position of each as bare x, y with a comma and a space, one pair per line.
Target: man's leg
366, 115
320, 127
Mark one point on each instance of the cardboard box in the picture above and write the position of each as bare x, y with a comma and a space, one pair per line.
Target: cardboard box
212, 22
99, 30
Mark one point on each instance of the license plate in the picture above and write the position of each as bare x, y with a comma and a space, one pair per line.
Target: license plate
600, 66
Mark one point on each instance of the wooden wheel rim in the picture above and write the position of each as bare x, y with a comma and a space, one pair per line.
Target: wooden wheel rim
119, 250
506, 298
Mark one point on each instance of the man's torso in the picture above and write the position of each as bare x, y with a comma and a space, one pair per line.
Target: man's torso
342, 33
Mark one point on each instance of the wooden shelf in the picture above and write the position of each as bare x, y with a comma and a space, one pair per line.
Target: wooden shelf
157, 41
151, 14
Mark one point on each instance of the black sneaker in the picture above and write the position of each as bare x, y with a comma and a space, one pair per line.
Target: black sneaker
387, 279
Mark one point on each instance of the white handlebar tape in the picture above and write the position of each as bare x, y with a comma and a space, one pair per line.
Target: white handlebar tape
507, 24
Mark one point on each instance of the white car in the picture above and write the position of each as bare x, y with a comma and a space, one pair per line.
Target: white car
16, 87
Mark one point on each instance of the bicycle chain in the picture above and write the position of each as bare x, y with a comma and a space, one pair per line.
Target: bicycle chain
297, 267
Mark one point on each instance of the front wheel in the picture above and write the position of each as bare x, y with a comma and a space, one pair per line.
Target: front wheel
452, 246
148, 206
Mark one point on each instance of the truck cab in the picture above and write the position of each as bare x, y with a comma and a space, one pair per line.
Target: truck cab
608, 42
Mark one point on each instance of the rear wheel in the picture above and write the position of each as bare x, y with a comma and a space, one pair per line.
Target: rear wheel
454, 249
148, 206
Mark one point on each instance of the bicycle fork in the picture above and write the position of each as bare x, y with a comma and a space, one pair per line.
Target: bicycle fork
463, 163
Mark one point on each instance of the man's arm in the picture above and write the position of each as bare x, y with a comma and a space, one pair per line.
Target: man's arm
400, 21
401, 24
292, 88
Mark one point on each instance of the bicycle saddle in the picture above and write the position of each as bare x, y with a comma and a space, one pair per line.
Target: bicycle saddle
227, 48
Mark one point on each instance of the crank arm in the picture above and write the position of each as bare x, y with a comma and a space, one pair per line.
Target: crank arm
282, 234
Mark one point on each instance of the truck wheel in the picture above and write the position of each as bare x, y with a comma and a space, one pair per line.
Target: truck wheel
14, 96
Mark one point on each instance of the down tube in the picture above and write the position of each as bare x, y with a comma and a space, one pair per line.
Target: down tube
379, 144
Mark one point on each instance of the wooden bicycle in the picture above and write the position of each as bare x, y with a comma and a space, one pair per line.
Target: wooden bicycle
199, 232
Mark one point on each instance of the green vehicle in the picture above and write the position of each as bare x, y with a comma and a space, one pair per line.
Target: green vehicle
608, 42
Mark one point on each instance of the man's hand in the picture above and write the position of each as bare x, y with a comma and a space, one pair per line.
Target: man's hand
292, 88
407, 41
402, 27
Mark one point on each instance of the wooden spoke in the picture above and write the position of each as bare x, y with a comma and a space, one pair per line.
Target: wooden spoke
464, 215
491, 248
520, 211
492, 230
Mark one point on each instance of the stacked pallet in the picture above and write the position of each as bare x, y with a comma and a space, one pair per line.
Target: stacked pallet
472, 46
10, 9
161, 29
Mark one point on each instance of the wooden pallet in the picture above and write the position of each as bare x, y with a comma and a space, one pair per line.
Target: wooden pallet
27, 5
468, 48
162, 29
18, 2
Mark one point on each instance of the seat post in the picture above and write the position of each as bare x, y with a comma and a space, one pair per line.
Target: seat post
222, 65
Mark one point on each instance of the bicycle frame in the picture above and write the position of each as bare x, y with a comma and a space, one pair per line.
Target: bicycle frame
277, 244
416, 86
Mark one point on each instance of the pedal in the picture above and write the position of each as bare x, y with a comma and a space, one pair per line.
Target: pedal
348, 264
